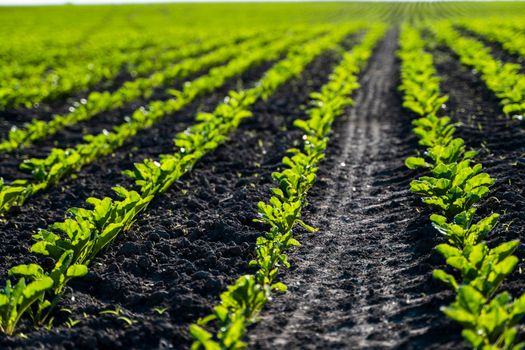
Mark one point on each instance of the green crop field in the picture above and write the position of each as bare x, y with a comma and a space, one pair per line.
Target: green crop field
318, 175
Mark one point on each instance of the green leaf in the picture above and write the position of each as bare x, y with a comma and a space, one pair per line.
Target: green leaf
198, 333
446, 278
460, 315
31, 270
508, 264
447, 250
471, 299
280, 287
473, 338
416, 162
307, 227
3, 300
234, 334
38, 286
77, 270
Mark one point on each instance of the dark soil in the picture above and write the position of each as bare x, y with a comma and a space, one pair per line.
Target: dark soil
187, 247
97, 179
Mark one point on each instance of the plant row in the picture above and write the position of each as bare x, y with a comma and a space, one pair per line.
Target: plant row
73, 243
511, 39
72, 76
503, 79
40, 58
242, 301
98, 102
453, 186
25, 84
62, 162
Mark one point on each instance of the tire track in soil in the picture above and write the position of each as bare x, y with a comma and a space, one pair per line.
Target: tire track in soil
363, 281
192, 242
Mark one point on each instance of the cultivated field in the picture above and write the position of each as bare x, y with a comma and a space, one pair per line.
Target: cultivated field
263, 176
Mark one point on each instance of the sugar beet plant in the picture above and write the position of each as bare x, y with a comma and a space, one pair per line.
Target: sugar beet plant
73, 243
453, 186
242, 301
41, 82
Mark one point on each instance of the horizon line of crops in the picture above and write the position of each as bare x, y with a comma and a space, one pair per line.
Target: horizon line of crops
452, 187
73, 243
501, 78
208, 54
63, 162
242, 301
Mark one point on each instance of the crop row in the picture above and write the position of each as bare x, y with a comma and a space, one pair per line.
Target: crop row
509, 38
453, 186
44, 58
98, 102
503, 79
242, 301
61, 71
62, 162
39, 83
73, 243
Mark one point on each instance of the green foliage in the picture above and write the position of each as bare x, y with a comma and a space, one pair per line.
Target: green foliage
488, 324
72, 244
453, 187
98, 102
75, 241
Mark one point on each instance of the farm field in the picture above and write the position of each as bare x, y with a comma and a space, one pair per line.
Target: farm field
263, 176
